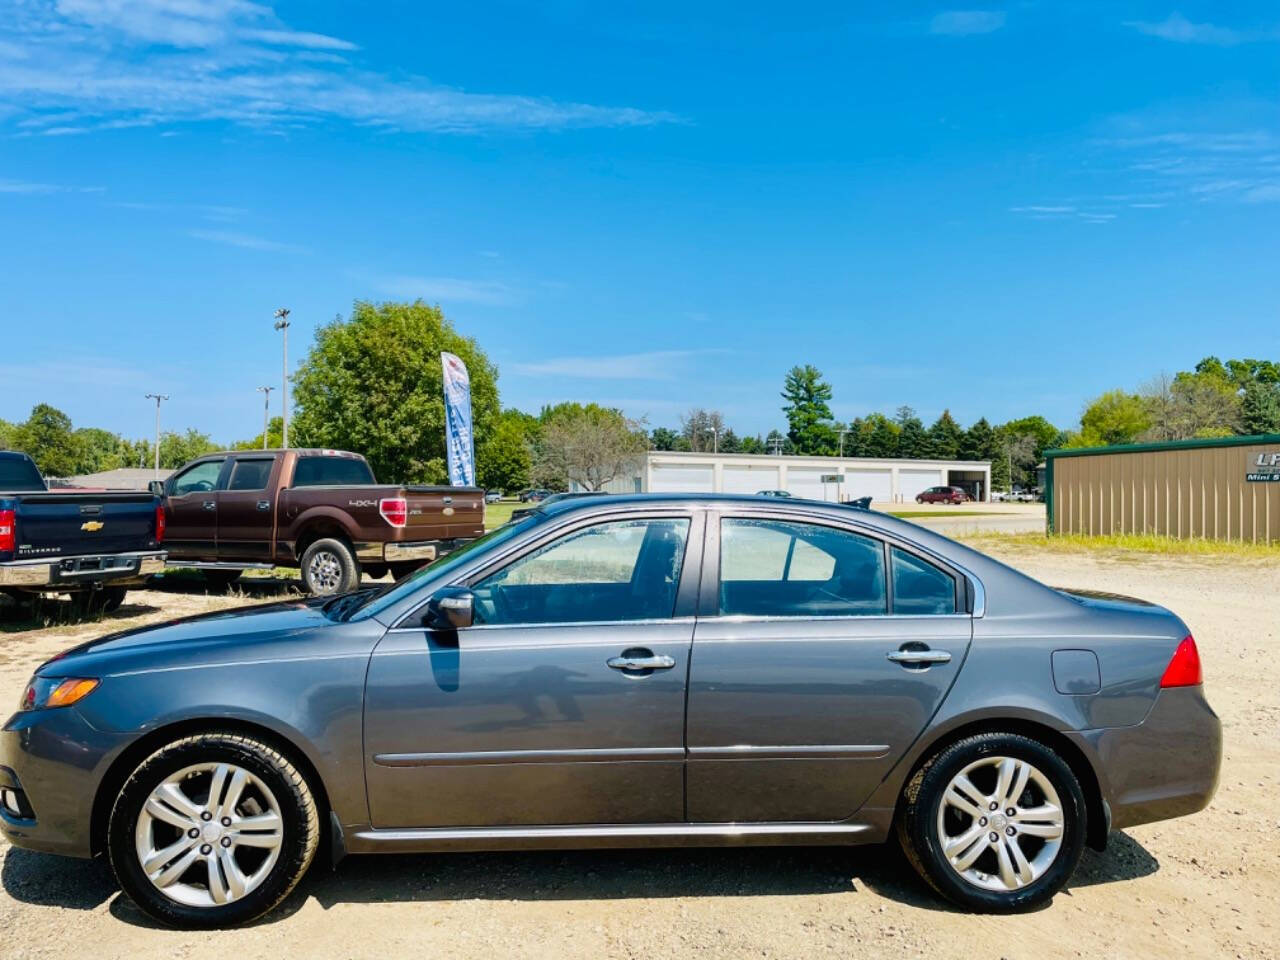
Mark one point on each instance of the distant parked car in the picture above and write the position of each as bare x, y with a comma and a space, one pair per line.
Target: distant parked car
773, 493
1000, 496
943, 495
493, 496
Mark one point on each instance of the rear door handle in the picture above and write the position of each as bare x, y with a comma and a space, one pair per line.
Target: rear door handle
915, 658
210, 504
652, 662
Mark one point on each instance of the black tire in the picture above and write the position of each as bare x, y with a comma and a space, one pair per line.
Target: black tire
92, 603
375, 571
298, 813
329, 567
918, 822
399, 570
220, 579
919, 499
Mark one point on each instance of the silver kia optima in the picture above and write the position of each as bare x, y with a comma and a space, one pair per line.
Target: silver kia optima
623, 671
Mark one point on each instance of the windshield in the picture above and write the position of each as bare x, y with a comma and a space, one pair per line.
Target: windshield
370, 603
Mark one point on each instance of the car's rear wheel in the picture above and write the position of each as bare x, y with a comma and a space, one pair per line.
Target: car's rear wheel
212, 830
329, 566
994, 822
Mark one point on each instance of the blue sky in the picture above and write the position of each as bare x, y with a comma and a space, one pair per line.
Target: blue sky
654, 205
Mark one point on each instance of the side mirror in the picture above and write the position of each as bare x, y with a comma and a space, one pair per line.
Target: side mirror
452, 608
156, 487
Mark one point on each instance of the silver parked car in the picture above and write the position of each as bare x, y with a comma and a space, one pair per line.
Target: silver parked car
623, 671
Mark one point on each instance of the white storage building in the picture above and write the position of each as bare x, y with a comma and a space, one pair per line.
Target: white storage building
885, 481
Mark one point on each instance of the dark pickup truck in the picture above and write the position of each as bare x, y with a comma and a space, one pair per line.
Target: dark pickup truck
93, 546
318, 510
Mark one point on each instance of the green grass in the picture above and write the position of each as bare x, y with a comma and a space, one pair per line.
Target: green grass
908, 514
496, 514
1123, 544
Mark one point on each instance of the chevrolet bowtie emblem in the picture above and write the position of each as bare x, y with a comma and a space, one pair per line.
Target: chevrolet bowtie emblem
92, 526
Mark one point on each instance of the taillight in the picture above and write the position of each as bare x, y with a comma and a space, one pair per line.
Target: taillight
394, 510
8, 537
160, 524
1184, 669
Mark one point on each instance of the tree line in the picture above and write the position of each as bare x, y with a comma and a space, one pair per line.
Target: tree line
372, 382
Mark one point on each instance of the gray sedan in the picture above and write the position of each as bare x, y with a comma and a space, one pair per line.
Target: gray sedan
623, 671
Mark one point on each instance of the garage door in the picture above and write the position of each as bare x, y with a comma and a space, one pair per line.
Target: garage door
912, 482
750, 479
807, 483
664, 479
876, 484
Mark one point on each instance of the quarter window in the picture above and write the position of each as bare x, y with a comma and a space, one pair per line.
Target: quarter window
201, 478
623, 570
919, 587
788, 569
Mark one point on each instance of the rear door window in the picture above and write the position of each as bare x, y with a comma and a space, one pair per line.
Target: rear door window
331, 472
251, 474
776, 568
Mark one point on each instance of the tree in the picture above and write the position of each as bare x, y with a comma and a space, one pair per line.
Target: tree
504, 460
811, 424
702, 430
373, 384
6, 435
1260, 408
664, 438
275, 437
880, 436
978, 442
776, 442
1018, 451
589, 445
1112, 418
177, 448
944, 438
752, 445
46, 436
913, 441
98, 450
1205, 403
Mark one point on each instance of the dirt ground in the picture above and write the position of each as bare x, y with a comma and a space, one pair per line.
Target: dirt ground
1202, 886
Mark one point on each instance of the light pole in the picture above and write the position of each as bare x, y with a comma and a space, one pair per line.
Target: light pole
157, 397
282, 324
842, 433
715, 439
266, 412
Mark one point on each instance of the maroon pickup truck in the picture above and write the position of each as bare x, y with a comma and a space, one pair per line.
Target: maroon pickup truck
318, 510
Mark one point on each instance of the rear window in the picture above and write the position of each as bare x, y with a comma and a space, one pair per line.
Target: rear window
18, 474
331, 471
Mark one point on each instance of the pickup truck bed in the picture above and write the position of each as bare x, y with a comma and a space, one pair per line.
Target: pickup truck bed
58, 542
318, 510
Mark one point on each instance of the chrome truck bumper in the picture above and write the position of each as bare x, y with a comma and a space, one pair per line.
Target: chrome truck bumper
76, 573
395, 552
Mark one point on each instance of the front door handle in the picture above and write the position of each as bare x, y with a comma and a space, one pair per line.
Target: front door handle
264, 504
641, 660
918, 658
210, 504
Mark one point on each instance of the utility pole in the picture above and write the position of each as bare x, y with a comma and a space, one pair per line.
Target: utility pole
157, 397
282, 324
266, 412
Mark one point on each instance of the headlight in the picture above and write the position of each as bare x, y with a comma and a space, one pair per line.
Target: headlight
43, 692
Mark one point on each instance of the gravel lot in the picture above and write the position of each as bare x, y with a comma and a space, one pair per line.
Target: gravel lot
1204, 886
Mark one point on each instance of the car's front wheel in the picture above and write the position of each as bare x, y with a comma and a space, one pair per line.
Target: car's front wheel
994, 822
212, 830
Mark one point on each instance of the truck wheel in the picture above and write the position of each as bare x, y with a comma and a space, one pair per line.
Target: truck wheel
221, 579
328, 567
90, 603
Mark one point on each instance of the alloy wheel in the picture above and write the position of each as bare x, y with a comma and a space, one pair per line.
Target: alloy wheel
209, 834
1000, 824
325, 572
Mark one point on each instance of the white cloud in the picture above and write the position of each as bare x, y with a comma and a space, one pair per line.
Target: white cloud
964, 23
654, 365
244, 241
28, 187
90, 64
445, 290
1179, 29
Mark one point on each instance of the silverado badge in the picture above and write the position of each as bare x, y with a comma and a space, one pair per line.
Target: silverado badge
92, 526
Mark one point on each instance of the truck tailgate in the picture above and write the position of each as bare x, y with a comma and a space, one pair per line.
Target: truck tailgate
444, 513
78, 524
